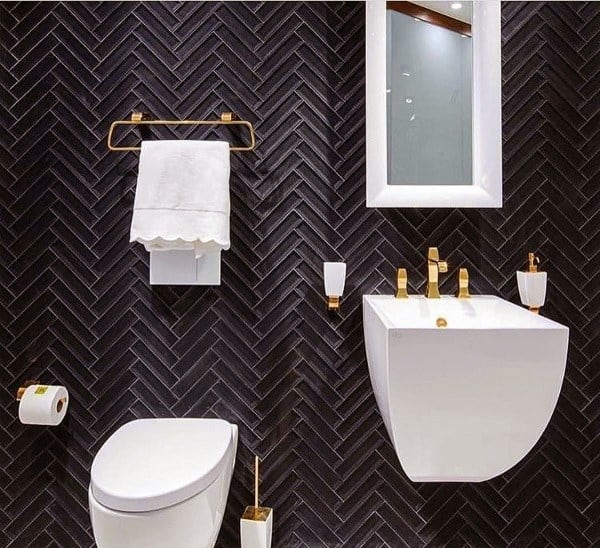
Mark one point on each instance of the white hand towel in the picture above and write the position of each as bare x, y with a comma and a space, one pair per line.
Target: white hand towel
182, 196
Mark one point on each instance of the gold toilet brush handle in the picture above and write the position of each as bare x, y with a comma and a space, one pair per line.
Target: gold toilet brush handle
256, 461
256, 512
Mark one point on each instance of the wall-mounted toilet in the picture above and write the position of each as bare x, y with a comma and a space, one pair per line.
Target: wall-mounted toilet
158, 483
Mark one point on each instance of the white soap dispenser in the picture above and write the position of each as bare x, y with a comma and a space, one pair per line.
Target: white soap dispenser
532, 285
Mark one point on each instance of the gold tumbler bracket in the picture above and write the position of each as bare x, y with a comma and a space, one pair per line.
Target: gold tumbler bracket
333, 303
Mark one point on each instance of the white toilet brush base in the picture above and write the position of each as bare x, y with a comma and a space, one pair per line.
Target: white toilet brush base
256, 527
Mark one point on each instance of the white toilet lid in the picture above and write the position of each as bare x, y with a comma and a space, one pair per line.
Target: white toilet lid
149, 464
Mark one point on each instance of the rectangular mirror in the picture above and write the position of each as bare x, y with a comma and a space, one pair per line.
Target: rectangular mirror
434, 134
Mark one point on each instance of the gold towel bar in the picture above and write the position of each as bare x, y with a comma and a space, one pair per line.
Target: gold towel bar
142, 118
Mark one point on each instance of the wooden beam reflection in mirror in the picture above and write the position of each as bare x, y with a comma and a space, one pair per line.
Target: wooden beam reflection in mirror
430, 16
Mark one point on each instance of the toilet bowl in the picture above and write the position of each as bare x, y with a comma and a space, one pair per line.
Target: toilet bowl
159, 483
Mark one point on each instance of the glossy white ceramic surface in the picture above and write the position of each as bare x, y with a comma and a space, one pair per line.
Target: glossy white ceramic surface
148, 464
468, 401
192, 523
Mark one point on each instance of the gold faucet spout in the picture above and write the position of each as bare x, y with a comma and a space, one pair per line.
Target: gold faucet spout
434, 267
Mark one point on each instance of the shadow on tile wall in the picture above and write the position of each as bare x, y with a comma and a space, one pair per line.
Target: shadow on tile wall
261, 350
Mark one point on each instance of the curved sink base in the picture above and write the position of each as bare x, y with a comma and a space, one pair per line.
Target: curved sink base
468, 401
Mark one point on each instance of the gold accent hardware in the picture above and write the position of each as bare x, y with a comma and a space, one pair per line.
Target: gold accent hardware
402, 284
534, 309
463, 284
256, 512
533, 262
434, 267
441, 322
23, 387
333, 303
139, 116
142, 118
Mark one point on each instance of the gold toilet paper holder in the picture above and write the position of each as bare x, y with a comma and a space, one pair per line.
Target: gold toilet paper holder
23, 387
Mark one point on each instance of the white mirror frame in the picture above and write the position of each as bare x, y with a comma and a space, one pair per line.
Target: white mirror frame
486, 190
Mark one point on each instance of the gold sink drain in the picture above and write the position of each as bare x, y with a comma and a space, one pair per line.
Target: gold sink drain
441, 322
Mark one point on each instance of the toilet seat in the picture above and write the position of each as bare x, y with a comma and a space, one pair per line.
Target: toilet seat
149, 464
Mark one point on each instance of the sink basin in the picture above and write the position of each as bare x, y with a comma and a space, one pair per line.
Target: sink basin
466, 387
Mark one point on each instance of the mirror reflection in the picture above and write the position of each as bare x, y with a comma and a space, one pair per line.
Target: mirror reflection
429, 57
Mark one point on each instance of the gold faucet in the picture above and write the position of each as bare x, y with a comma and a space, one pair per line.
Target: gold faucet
434, 268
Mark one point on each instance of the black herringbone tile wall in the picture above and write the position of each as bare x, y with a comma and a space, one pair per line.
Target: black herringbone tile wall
261, 350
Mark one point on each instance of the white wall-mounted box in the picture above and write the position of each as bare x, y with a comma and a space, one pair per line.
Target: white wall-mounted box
180, 267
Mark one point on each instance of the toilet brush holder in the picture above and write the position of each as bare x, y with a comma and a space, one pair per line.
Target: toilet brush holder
256, 525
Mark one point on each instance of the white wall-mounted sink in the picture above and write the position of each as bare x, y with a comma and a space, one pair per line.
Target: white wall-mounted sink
464, 402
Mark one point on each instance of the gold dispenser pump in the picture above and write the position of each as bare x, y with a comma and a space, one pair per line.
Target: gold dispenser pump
532, 266
533, 261
143, 118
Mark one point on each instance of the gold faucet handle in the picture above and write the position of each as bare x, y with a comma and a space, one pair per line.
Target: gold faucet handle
442, 266
463, 284
402, 284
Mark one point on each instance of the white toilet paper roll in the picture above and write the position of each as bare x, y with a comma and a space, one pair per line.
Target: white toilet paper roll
44, 405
